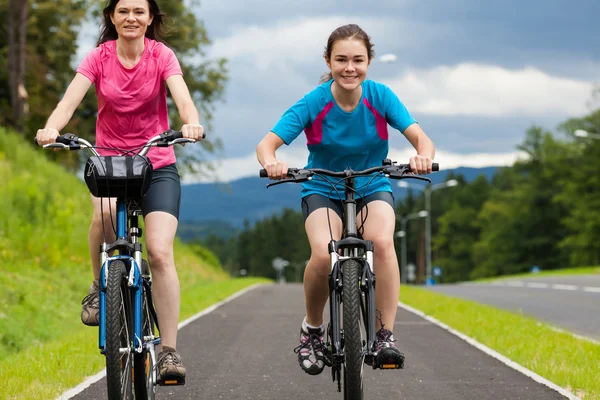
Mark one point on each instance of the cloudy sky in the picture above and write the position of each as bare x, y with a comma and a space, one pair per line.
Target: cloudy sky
475, 74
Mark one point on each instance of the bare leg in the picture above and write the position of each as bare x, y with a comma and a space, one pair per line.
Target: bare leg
316, 284
95, 236
160, 234
379, 227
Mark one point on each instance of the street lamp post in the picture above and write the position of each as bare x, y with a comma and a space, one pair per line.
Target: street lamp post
427, 191
402, 234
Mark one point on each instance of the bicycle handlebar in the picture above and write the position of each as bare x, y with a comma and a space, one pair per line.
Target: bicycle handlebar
348, 173
71, 142
394, 171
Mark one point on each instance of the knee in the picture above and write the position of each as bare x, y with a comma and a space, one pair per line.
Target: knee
320, 262
160, 257
106, 217
384, 246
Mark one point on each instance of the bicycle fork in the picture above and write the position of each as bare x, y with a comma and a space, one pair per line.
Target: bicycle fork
134, 278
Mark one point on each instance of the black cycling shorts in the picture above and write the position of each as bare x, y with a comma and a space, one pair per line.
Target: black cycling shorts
164, 192
313, 202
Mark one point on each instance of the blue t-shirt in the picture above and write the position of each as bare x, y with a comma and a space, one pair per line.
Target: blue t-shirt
337, 139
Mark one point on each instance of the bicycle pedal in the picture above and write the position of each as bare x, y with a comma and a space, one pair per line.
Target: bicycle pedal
394, 362
390, 366
172, 382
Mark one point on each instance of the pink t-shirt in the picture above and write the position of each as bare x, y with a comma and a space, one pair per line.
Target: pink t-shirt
132, 102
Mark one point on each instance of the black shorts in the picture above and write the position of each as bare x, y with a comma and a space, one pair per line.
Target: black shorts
313, 202
164, 192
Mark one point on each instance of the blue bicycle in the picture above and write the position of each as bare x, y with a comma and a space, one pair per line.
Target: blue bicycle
128, 325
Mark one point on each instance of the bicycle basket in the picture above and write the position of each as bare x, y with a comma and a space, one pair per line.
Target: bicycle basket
118, 176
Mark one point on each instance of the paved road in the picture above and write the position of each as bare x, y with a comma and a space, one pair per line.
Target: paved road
243, 350
567, 302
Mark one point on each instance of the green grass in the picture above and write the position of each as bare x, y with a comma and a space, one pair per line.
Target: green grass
44, 371
557, 356
45, 271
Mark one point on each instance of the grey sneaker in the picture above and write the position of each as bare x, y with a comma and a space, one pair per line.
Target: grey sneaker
90, 306
312, 353
388, 355
170, 369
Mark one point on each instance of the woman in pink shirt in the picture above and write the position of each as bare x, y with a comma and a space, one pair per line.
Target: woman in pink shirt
129, 68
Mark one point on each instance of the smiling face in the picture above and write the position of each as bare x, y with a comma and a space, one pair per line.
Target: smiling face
131, 18
349, 63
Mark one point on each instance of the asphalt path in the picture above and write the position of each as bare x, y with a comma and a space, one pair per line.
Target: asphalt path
243, 350
570, 302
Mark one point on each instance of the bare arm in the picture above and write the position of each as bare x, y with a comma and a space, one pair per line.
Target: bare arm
425, 149
265, 152
186, 108
63, 112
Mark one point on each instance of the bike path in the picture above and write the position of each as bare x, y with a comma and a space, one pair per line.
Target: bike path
243, 350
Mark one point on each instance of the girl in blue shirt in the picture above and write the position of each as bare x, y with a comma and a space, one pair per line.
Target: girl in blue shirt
345, 120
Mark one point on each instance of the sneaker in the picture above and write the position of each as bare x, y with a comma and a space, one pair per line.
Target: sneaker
311, 351
388, 355
170, 369
90, 306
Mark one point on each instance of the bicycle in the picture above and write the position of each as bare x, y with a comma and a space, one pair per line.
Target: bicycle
128, 325
351, 281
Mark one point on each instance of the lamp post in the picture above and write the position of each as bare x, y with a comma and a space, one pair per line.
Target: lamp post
427, 191
402, 235
585, 134
279, 264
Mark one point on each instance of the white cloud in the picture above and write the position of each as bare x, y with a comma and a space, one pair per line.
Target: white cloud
235, 168
487, 90
301, 41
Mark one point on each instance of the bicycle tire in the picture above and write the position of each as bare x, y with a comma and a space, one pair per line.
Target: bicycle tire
143, 363
353, 349
118, 334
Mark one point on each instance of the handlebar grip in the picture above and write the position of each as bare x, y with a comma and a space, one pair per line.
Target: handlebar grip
435, 167
172, 135
263, 173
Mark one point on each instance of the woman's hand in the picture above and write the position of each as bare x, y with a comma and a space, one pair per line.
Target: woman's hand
276, 169
192, 131
421, 164
46, 136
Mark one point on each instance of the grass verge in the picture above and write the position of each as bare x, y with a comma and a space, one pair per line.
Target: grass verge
46, 370
557, 356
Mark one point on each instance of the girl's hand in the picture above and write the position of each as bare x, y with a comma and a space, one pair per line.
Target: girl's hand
276, 169
421, 164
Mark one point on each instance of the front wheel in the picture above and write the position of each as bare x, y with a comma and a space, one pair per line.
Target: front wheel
119, 334
144, 371
353, 351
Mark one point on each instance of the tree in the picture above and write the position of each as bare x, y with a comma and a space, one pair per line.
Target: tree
17, 27
45, 47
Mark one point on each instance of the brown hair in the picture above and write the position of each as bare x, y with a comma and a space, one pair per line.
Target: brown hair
350, 31
156, 31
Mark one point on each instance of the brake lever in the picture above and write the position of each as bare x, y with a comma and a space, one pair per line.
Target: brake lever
298, 177
281, 181
419, 177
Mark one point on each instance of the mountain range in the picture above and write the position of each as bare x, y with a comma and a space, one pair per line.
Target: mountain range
223, 207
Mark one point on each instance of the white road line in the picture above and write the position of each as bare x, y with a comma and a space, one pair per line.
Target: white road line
564, 287
492, 353
93, 379
538, 285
